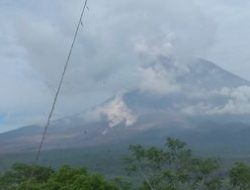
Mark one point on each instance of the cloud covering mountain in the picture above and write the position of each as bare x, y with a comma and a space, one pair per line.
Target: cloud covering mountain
210, 99
124, 46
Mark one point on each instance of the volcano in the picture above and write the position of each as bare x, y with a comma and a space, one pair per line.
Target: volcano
209, 104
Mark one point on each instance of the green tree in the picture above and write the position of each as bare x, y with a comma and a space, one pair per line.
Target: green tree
20, 174
172, 167
122, 184
25, 177
68, 178
204, 174
240, 176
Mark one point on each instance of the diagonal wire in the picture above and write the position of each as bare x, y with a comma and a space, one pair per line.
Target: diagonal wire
85, 7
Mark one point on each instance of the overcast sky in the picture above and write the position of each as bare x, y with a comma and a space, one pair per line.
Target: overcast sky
116, 39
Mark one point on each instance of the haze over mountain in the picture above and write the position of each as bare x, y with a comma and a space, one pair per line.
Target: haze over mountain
113, 53
138, 73
198, 102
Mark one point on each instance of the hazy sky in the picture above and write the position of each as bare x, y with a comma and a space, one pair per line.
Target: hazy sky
118, 38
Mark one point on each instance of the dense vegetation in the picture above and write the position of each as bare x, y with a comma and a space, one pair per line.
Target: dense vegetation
172, 167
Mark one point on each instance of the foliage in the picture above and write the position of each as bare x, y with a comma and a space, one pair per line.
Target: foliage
172, 167
25, 177
240, 176
122, 184
20, 174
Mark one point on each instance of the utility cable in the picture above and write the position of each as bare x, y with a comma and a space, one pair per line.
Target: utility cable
60, 84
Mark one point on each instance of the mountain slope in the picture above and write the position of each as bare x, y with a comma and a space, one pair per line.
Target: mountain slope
206, 94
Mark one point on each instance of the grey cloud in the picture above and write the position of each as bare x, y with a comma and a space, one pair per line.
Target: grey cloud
105, 60
232, 41
105, 50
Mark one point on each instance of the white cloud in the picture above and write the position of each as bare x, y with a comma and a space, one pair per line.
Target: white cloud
238, 103
239, 100
161, 65
155, 48
157, 80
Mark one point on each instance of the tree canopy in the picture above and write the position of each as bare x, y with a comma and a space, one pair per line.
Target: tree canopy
171, 167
